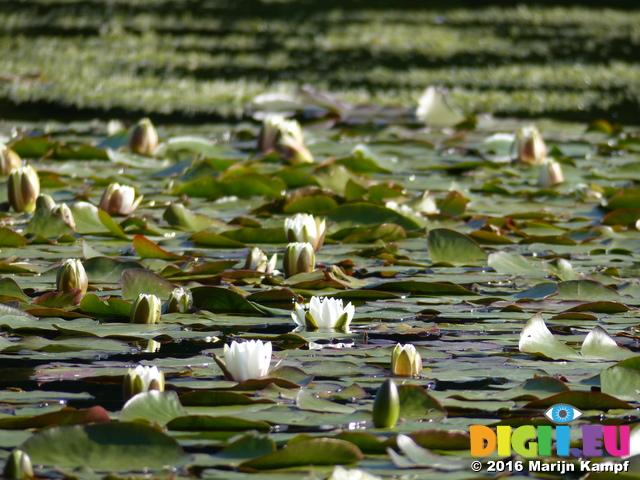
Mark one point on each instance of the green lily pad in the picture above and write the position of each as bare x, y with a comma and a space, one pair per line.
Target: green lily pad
449, 246
222, 300
145, 248
107, 270
9, 238
109, 447
180, 217
367, 214
317, 451
65, 416
581, 400
599, 344
204, 423
536, 338
415, 402
621, 382
155, 406
91, 304
586, 290
512, 264
136, 281
208, 398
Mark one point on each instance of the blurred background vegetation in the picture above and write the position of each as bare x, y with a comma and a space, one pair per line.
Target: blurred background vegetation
203, 60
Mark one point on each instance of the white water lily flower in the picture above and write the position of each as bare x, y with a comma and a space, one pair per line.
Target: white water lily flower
530, 146
142, 379
119, 200
299, 257
291, 143
304, 227
341, 473
258, 261
550, 174
406, 361
324, 313
434, 110
269, 133
285, 137
247, 360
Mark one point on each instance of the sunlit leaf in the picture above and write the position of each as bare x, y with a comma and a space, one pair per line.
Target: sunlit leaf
105, 447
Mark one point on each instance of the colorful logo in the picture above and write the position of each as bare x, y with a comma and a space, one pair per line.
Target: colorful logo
546, 440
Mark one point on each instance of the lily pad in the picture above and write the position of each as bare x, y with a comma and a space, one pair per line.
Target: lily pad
449, 246
119, 446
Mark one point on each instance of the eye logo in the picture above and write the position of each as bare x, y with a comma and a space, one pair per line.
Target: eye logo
562, 413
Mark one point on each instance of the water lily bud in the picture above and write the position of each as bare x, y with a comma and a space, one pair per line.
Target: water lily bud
247, 360
9, 160
144, 138
386, 406
405, 361
304, 227
72, 274
269, 133
146, 309
64, 212
298, 258
180, 301
142, 379
531, 146
291, 143
24, 188
550, 174
119, 200
45, 202
324, 314
18, 466
258, 261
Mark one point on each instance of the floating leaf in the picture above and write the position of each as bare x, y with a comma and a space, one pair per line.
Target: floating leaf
9, 238
178, 216
204, 423
586, 290
418, 457
136, 281
108, 447
93, 305
308, 401
107, 270
415, 402
145, 248
112, 225
317, 451
65, 416
209, 398
599, 344
537, 339
222, 300
453, 204
213, 240
449, 246
155, 406
503, 262
581, 400
367, 214
621, 382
